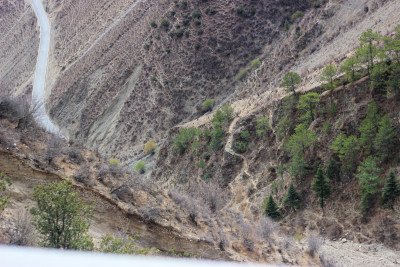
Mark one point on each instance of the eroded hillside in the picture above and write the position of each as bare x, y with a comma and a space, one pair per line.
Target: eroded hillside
19, 42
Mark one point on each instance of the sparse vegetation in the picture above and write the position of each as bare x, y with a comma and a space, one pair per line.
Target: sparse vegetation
5, 182
140, 167
150, 147
114, 161
208, 105
255, 63
241, 75
296, 15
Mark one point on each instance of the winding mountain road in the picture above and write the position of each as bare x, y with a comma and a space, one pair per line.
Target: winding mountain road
41, 67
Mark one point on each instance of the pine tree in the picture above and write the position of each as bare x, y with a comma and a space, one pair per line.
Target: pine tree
271, 209
368, 175
368, 49
321, 187
327, 75
384, 141
369, 127
391, 191
307, 104
350, 66
292, 198
290, 81
333, 170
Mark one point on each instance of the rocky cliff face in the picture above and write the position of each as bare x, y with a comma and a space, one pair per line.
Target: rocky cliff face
116, 82
19, 42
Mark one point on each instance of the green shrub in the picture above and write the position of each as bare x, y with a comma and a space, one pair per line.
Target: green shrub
186, 32
185, 138
327, 127
200, 31
241, 75
179, 32
201, 164
241, 11
110, 244
210, 11
184, 4
241, 146
332, 109
206, 176
227, 111
146, 46
255, 63
150, 147
217, 136
296, 15
5, 182
208, 105
140, 167
172, 13
263, 127
114, 161
197, 21
197, 45
286, 25
165, 23
153, 24
196, 14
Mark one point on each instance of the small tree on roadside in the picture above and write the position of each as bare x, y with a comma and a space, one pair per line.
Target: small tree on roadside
321, 188
292, 198
368, 175
5, 182
327, 75
271, 209
59, 217
391, 191
290, 81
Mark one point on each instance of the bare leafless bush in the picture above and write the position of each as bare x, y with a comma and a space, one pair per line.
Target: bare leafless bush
150, 214
53, 148
101, 170
74, 155
211, 193
327, 261
82, 175
20, 110
187, 203
314, 243
265, 228
115, 171
22, 233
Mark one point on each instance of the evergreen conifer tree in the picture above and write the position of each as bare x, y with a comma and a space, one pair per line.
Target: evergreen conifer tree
333, 170
271, 209
292, 198
385, 138
391, 191
368, 174
321, 187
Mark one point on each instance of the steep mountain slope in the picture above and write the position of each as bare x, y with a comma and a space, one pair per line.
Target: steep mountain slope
19, 42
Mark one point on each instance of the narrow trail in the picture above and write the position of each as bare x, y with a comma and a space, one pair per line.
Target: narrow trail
41, 68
